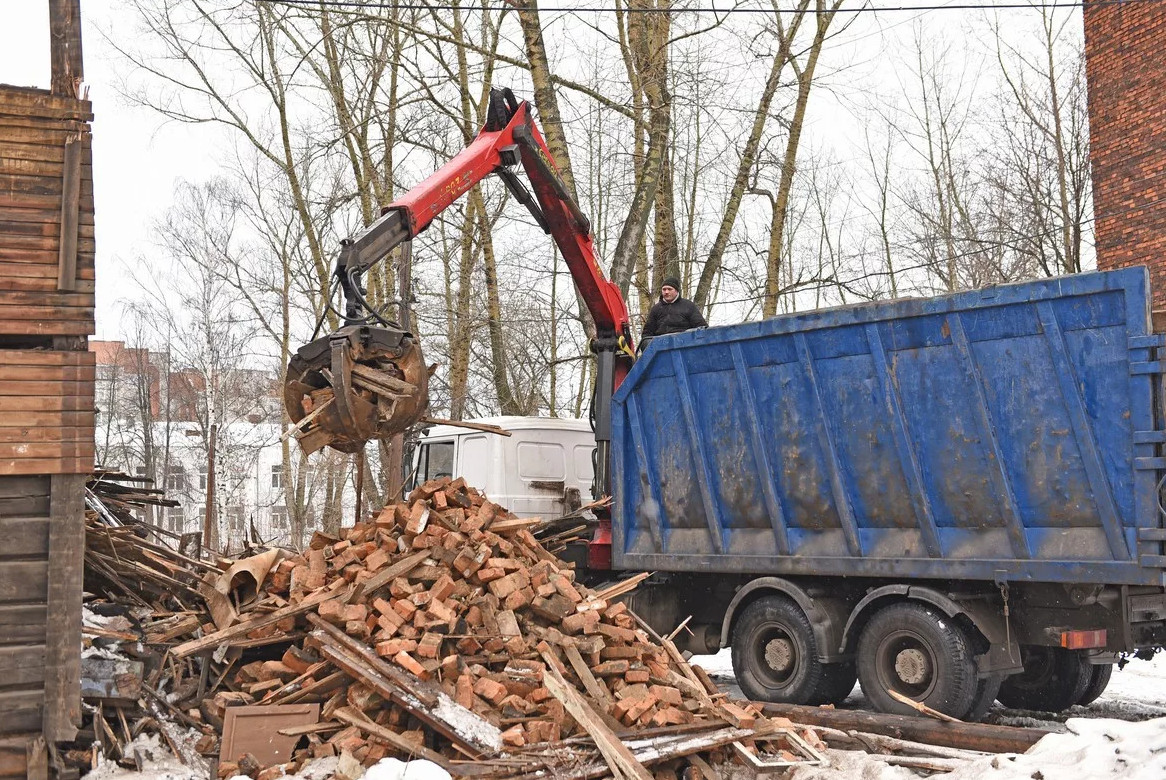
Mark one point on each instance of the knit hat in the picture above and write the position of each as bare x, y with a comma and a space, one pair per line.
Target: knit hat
671, 281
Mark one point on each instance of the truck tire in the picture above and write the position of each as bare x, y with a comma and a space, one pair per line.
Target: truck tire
1054, 679
774, 653
837, 682
986, 691
920, 653
1098, 682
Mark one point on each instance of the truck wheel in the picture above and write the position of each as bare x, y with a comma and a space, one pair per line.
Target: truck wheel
1054, 679
837, 683
986, 690
917, 652
1098, 682
774, 653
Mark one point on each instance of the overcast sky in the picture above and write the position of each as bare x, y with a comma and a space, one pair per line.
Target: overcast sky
138, 159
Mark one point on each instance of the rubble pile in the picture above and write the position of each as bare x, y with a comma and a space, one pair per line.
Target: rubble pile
441, 629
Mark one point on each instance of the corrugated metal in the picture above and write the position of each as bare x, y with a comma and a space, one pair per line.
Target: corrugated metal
1002, 433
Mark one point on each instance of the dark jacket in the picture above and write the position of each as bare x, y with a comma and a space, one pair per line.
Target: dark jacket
676, 317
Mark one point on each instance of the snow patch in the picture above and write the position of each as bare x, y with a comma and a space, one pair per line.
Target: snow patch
156, 762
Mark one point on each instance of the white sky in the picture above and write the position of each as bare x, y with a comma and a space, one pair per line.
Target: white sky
138, 159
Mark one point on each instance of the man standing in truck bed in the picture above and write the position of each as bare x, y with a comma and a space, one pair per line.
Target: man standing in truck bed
671, 314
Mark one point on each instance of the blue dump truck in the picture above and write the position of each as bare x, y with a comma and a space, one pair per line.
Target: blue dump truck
954, 499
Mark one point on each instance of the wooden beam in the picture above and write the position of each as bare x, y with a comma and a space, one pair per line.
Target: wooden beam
62, 711
619, 758
354, 717
968, 736
70, 214
211, 641
65, 46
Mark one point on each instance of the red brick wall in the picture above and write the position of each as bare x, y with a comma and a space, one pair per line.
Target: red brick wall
1125, 48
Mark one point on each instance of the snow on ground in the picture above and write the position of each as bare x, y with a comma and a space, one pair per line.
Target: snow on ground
1137, 692
1121, 736
154, 758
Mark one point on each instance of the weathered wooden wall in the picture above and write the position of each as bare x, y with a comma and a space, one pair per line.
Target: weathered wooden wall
47, 410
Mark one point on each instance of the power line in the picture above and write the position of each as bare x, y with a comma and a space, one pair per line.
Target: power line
354, 6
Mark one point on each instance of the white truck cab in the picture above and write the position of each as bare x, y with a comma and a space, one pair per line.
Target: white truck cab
543, 469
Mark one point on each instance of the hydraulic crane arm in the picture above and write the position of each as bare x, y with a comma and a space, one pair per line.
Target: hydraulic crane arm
324, 368
508, 138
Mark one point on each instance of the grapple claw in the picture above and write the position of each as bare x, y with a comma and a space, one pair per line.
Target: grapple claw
357, 384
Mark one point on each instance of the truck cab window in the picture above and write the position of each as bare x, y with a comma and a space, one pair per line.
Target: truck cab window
436, 461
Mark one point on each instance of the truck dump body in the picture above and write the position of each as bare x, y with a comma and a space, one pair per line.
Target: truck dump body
1001, 434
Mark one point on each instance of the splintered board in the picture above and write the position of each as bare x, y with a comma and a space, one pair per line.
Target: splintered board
47, 247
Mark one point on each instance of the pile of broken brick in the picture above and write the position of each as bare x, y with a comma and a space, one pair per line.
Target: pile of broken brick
439, 629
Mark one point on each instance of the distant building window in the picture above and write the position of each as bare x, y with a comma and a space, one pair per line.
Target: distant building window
202, 473
176, 478
279, 518
140, 471
277, 477
175, 522
235, 519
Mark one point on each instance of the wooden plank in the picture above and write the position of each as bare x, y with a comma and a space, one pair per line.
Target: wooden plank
12, 466
27, 373
62, 387
40, 185
26, 242
966, 736
50, 228
27, 98
33, 284
354, 717
14, 757
17, 419
55, 327
20, 216
73, 403
24, 665
21, 710
62, 713
70, 211
217, 638
20, 487
25, 581
50, 449
19, 299
40, 434
621, 760
22, 622
36, 357
23, 536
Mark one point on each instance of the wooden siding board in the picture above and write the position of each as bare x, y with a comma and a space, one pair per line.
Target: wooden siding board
23, 536
23, 622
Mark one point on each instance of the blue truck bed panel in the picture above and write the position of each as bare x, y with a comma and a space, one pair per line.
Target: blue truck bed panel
1007, 433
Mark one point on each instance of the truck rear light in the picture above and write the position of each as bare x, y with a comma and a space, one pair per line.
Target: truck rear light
1083, 640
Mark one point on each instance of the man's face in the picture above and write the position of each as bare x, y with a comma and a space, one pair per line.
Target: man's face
669, 294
